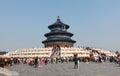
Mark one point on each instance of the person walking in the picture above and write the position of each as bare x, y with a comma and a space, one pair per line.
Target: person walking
119, 61
75, 62
46, 61
40, 62
36, 62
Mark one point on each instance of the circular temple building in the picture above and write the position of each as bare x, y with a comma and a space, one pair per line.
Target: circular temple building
58, 35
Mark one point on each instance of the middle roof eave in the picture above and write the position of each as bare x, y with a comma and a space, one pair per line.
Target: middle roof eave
58, 33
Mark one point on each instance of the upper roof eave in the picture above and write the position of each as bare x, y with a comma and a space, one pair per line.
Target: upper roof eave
58, 23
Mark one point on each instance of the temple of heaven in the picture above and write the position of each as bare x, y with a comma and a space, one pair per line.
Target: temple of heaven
58, 35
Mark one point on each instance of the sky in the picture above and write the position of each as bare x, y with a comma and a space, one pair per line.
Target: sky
94, 23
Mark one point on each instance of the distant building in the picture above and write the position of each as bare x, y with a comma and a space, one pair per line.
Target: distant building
58, 35
2, 52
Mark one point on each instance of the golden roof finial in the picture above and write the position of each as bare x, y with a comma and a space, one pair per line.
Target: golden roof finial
58, 17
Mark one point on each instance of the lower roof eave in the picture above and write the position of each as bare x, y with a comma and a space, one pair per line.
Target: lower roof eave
46, 41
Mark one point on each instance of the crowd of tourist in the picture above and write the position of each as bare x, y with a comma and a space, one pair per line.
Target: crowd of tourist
39, 62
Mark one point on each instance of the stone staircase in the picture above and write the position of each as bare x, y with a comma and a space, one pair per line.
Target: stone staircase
55, 53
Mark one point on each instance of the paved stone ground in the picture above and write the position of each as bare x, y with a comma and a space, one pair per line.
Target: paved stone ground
6, 72
66, 69
2, 75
